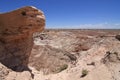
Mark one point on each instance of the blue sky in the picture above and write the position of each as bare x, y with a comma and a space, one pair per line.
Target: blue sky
72, 13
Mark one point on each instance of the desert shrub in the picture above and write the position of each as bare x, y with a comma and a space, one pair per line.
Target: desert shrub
61, 68
84, 72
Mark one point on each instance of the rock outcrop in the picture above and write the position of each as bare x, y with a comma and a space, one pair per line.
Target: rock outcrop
117, 37
16, 31
7, 74
4, 71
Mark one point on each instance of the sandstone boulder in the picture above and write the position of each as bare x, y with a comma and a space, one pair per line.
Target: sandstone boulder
16, 31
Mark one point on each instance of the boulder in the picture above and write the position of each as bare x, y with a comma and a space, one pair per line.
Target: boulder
16, 31
117, 37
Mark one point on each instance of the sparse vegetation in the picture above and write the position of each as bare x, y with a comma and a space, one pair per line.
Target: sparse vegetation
61, 68
84, 73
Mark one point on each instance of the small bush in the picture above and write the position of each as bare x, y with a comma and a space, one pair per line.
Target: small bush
61, 68
84, 72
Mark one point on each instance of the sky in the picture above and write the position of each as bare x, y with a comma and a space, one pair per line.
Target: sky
74, 14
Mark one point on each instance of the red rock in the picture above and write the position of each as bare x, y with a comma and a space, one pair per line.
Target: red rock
16, 31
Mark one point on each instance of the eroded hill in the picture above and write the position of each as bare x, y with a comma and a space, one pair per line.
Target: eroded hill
76, 55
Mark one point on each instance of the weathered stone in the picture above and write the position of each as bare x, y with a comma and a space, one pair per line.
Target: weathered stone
117, 37
16, 31
3, 72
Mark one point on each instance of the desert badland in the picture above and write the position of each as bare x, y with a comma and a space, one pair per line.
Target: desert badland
28, 51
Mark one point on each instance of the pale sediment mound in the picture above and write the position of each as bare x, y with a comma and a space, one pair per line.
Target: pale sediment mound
112, 61
16, 31
49, 59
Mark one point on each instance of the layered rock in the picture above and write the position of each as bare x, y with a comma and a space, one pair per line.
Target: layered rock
16, 31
